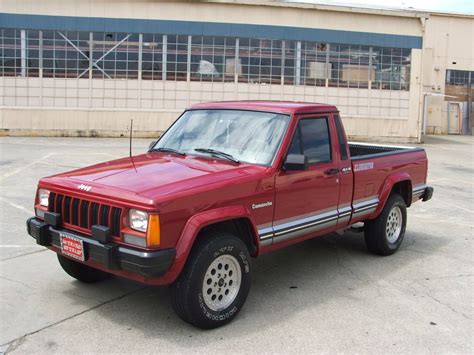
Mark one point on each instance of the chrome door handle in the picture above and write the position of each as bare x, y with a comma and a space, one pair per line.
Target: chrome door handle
333, 171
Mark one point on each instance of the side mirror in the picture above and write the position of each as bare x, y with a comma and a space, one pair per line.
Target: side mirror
296, 162
152, 144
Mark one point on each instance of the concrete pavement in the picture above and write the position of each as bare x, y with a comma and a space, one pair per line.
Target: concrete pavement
324, 295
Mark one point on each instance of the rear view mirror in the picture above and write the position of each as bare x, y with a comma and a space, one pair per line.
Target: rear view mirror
152, 144
296, 162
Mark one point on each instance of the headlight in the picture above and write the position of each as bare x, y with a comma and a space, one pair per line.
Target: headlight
138, 220
43, 197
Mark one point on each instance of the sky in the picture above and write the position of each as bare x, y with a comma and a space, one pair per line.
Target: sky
459, 6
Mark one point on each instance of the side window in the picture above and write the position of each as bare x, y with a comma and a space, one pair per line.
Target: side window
340, 138
315, 138
295, 147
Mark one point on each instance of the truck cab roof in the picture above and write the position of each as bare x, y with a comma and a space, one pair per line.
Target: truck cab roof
288, 107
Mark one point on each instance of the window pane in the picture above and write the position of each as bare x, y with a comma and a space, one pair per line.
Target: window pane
313, 63
32, 54
261, 61
341, 138
212, 58
295, 146
392, 67
152, 56
177, 58
62, 55
458, 83
290, 62
356, 70
115, 55
11, 52
315, 134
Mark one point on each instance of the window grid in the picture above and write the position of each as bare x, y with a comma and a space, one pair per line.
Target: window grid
33, 53
289, 71
177, 58
459, 77
212, 58
314, 69
11, 52
152, 57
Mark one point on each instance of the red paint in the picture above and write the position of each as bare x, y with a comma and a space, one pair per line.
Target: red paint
191, 192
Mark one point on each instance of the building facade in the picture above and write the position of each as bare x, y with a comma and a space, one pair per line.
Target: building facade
86, 68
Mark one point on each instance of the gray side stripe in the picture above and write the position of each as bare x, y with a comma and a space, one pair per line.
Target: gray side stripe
317, 221
307, 225
305, 221
265, 233
312, 222
364, 204
368, 207
365, 207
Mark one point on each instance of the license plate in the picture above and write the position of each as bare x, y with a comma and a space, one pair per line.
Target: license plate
72, 246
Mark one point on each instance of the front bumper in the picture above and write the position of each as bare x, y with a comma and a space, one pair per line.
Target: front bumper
111, 256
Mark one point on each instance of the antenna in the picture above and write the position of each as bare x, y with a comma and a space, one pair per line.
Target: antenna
131, 130
131, 133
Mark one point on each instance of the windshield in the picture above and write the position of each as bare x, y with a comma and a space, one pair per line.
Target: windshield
248, 136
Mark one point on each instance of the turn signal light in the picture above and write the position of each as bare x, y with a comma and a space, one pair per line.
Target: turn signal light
153, 234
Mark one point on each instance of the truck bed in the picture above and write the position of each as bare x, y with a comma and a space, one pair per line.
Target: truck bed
373, 165
361, 151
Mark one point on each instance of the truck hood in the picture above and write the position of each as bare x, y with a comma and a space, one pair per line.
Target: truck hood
157, 174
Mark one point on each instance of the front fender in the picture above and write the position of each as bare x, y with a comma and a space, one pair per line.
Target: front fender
193, 227
387, 187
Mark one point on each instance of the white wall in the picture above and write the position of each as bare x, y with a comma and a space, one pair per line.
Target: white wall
449, 44
94, 106
79, 107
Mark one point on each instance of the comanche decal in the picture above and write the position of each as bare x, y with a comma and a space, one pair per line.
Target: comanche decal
261, 205
363, 166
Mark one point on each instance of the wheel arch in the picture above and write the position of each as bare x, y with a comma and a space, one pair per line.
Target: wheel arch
241, 227
404, 189
237, 219
400, 183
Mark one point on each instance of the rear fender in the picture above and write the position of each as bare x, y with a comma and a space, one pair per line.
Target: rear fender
387, 188
194, 226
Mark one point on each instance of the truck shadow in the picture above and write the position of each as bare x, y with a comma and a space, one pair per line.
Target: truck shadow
285, 283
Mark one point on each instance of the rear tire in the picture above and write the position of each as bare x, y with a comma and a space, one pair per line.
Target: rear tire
215, 282
384, 235
82, 272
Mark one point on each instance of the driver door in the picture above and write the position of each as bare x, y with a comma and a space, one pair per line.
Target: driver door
306, 201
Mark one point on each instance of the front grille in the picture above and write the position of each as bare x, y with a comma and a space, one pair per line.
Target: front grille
84, 214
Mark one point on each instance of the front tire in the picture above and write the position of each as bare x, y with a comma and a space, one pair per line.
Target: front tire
384, 235
215, 281
82, 272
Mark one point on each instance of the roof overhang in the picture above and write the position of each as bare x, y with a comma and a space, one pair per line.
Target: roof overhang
380, 11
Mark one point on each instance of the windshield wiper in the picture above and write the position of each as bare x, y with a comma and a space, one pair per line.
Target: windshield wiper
168, 150
218, 153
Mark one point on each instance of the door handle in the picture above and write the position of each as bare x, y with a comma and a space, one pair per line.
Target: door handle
333, 171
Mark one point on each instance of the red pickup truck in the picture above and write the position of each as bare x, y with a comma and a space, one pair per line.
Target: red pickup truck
226, 182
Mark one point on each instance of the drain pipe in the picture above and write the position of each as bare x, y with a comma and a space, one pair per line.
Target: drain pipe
422, 98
